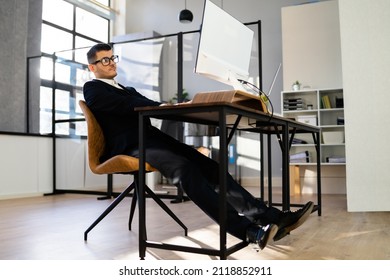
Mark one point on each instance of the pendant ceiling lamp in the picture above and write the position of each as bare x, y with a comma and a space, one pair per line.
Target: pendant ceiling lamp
185, 15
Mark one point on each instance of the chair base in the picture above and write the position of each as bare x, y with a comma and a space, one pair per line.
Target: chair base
118, 199
109, 194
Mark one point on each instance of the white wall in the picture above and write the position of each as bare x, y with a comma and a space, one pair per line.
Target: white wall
365, 41
311, 45
26, 166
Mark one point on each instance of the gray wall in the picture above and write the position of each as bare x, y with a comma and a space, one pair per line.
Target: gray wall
20, 25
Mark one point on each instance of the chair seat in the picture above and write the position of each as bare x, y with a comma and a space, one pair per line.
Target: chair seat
120, 164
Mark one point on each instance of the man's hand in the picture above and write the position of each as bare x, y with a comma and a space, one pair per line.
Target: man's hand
182, 103
170, 104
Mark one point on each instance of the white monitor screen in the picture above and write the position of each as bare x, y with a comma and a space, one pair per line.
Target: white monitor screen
225, 47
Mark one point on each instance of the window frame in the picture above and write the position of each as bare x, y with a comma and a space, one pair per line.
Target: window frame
73, 89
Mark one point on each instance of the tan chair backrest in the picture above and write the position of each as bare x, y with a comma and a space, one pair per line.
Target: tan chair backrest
96, 142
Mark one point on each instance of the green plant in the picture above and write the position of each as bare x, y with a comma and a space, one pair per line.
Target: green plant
184, 97
297, 83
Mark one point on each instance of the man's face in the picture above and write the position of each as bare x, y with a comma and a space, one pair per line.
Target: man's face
103, 71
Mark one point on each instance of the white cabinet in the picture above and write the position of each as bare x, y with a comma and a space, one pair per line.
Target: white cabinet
321, 107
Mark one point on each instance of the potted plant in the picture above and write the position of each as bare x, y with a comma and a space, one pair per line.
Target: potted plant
296, 85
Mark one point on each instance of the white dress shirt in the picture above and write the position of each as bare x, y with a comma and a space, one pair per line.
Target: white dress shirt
111, 82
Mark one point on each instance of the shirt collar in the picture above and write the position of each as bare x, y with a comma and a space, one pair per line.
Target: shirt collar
111, 82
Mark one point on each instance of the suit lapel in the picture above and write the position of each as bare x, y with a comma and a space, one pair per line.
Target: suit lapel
125, 89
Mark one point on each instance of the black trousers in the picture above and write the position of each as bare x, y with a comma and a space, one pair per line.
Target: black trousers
198, 176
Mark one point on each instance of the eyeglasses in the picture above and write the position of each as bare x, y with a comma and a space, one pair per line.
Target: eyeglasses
106, 60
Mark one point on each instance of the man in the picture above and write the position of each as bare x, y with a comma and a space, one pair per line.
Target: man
113, 106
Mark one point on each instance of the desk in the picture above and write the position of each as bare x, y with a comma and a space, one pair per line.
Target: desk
228, 117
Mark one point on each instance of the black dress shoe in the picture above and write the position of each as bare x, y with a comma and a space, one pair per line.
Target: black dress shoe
291, 220
261, 234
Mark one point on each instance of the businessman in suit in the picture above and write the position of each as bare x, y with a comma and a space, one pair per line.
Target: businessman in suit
113, 106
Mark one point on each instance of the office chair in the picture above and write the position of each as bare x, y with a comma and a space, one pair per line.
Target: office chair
120, 164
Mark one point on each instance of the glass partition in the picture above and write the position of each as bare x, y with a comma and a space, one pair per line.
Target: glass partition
139, 66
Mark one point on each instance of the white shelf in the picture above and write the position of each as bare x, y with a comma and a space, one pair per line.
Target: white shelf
326, 119
303, 145
330, 110
333, 126
314, 164
331, 145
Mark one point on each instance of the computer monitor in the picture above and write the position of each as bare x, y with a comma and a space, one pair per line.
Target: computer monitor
225, 47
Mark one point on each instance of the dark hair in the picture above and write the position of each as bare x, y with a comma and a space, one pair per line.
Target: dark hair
91, 54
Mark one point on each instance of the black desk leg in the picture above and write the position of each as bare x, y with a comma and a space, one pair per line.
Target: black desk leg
223, 182
269, 157
318, 150
141, 187
262, 167
286, 169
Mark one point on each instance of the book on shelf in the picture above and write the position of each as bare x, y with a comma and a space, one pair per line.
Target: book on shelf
326, 102
292, 100
292, 108
340, 120
335, 159
339, 102
302, 157
298, 141
303, 154
293, 104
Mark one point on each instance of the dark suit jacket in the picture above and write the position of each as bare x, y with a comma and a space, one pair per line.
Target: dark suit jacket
113, 108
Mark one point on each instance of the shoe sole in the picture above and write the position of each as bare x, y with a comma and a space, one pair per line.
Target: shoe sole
269, 235
286, 230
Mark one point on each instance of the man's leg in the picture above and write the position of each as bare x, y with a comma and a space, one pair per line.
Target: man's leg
238, 197
245, 203
180, 171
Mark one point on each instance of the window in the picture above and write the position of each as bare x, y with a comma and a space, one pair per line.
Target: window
86, 23
54, 39
58, 12
69, 28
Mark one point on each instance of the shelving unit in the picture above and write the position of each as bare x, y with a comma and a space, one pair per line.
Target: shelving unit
310, 106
